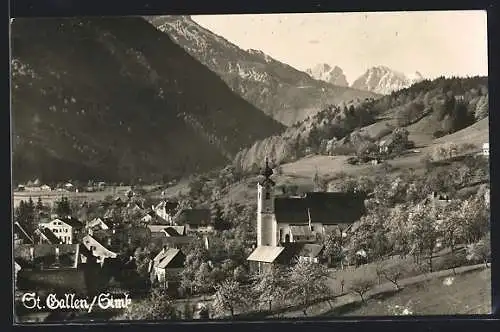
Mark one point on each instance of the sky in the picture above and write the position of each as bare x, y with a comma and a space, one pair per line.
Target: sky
433, 43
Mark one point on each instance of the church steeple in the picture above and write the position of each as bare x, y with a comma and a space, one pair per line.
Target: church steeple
266, 172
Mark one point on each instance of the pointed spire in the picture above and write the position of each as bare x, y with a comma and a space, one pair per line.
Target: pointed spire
267, 171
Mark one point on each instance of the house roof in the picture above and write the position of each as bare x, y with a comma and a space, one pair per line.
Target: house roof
301, 231
175, 230
165, 257
46, 254
22, 232
199, 217
310, 250
89, 241
266, 254
50, 236
71, 221
321, 207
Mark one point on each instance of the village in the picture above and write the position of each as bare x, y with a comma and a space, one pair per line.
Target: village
126, 246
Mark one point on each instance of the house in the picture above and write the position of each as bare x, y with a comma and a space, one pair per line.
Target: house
196, 220
57, 268
166, 210
486, 149
385, 146
170, 236
99, 251
21, 236
64, 228
299, 220
166, 268
21, 187
45, 188
46, 236
97, 224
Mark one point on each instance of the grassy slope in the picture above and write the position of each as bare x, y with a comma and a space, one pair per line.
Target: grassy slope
470, 293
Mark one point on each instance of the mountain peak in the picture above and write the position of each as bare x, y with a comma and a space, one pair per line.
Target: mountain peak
384, 80
324, 72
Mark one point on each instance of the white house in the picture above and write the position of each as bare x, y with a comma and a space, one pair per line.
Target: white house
45, 188
63, 228
486, 149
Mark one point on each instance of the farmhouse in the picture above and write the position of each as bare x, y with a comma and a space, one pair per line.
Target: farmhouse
283, 221
166, 267
196, 220
64, 228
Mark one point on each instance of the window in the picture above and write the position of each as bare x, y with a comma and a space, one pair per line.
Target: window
312, 228
268, 195
281, 235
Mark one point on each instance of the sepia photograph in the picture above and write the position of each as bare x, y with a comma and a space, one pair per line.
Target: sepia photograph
250, 166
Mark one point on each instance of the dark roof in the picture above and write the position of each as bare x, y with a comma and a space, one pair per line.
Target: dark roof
200, 217
310, 250
73, 222
21, 232
51, 237
321, 207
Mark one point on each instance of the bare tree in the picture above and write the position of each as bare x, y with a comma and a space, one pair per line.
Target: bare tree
361, 286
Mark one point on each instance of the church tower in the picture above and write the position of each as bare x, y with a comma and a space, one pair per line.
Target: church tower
266, 223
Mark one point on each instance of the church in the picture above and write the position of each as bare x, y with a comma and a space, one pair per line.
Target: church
288, 228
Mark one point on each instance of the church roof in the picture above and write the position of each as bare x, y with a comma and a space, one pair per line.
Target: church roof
321, 207
266, 254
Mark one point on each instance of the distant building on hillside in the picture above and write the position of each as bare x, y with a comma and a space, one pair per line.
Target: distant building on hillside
486, 149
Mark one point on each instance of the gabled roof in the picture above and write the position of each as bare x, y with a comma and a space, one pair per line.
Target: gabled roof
199, 217
22, 233
265, 254
310, 250
175, 230
166, 257
71, 221
89, 241
320, 207
49, 236
168, 206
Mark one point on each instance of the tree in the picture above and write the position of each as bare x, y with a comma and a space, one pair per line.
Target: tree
271, 285
63, 208
481, 250
229, 296
393, 273
156, 307
203, 281
334, 248
361, 286
307, 281
423, 232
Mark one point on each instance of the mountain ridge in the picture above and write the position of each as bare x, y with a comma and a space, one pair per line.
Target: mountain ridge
114, 98
286, 94
384, 80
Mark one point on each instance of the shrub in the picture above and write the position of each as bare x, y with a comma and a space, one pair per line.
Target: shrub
438, 133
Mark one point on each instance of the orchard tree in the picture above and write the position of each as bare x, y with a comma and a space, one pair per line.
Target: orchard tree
156, 307
423, 232
271, 285
361, 287
229, 296
307, 281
